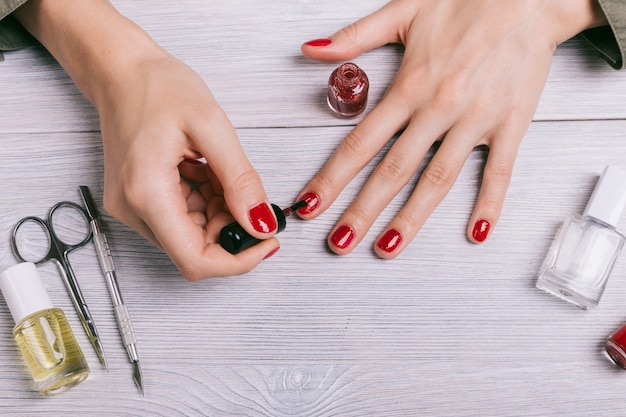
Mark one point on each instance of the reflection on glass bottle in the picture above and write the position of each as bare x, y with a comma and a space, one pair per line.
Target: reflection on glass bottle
42, 332
580, 261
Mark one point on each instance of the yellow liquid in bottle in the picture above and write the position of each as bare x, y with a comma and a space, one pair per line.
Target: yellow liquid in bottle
51, 351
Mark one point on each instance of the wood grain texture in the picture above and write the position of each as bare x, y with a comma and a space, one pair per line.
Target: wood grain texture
447, 329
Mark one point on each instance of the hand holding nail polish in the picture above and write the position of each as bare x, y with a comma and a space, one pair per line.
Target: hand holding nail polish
235, 239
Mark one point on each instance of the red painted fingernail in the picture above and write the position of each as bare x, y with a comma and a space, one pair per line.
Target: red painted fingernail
271, 253
312, 202
390, 240
262, 218
319, 43
481, 230
342, 236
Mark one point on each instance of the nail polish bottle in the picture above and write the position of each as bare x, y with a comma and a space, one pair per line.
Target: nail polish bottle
42, 332
616, 347
235, 239
586, 248
347, 90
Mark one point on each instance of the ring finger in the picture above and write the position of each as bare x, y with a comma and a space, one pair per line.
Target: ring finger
433, 185
389, 177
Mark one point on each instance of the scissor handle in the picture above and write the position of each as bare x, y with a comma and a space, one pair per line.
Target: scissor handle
57, 247
15, 247
63, 246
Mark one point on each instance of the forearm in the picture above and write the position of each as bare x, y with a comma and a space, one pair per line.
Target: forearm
93, 42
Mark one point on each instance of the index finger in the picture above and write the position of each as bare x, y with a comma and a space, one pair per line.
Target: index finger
214, 137
352, 154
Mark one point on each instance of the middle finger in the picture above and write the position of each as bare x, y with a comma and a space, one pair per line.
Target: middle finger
389, 177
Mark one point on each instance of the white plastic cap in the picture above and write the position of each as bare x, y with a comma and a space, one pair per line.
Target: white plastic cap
23, 291
609, 197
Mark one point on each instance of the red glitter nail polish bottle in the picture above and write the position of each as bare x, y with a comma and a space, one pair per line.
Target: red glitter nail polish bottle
347, 90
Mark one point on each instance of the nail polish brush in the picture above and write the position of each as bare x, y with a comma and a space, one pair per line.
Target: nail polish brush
235, 239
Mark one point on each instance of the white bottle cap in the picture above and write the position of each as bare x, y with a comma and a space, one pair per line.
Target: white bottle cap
23, 291
609, 197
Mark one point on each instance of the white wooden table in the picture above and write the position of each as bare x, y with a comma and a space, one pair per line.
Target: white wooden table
447, 329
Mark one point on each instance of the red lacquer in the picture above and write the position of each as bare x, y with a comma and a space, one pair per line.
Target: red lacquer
616, 347
481, 230
390, 240
342, 237
312, 203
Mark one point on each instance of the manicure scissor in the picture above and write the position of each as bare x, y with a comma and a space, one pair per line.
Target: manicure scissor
62, 237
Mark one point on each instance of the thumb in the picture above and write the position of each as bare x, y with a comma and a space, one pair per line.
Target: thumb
372, 31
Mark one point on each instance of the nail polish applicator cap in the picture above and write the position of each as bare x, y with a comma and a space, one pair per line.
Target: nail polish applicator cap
235, 239
23, 291
609, 197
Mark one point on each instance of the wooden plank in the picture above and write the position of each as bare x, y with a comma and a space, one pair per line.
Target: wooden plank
249, 54
449, 328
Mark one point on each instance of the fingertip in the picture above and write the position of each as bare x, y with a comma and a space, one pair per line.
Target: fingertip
316, 43
272, 252
341, 239
479, 230
263, 219
313, 201
343, 45
369, 32
324, 49
389, 244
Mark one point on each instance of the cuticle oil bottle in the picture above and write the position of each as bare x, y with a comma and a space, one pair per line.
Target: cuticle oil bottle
42, 332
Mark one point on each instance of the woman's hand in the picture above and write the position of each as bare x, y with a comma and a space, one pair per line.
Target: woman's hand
158, 118
155, 126
472, 74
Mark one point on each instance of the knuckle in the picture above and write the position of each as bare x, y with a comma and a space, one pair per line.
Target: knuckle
408, 85
244, 180
500, 172
354, 144
393, 168
359, 216
191, 276
111, 205
350, 32
135, 197
195, 276
450, 92
193, 272
438, 175
326, 183
490, 206
409, 219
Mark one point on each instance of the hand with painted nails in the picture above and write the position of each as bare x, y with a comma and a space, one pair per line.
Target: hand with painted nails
158, 118
472, 74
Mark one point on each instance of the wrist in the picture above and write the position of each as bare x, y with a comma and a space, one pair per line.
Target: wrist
574, 16
92, 41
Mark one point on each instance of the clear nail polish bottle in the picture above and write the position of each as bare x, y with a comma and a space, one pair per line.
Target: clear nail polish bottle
42, 332
584, 251
348, 86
